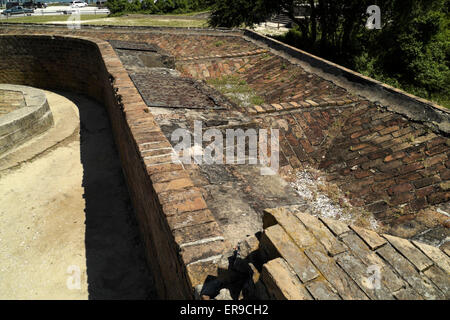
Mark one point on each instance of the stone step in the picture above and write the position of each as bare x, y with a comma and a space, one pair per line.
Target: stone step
328, 259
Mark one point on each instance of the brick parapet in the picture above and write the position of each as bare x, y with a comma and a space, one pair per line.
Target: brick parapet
415, 108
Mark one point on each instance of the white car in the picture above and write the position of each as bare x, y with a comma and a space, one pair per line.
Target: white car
78, 4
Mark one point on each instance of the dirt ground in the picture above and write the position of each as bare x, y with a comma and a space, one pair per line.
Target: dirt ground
67, 229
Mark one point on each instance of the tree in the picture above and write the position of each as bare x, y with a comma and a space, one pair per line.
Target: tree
116, 6
411, 50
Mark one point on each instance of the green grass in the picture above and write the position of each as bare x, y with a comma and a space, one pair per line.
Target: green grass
188, 14
237, 90
128, 20
151, 21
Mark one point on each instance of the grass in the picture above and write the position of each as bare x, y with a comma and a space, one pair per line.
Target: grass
127, 20
237, 90
149, 21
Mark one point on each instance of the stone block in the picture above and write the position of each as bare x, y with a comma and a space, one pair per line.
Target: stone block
281, 283
373, 239
278, 243
407, 271
406, 248
302, 237
318, 229
435, 254
340, 281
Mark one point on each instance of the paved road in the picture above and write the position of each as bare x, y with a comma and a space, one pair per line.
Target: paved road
56, 10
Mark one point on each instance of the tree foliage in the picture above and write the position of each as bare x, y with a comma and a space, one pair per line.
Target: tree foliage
157, 7
410, 51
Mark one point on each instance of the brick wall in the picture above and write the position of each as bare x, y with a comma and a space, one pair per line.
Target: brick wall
172, 218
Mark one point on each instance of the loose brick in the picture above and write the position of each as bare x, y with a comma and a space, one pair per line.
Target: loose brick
337, 227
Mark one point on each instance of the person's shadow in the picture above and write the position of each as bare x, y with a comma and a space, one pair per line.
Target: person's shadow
115, 254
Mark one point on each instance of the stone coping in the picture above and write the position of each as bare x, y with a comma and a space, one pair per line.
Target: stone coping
20, 124
196, 30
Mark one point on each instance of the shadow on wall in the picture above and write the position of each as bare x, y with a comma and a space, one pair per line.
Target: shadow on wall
116, 264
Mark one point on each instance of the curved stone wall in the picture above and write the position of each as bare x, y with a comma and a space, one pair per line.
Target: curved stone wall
30, 119
91, 67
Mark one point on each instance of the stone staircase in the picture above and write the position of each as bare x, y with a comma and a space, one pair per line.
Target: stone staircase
309, 258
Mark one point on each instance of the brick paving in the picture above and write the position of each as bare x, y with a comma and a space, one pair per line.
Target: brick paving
384, 163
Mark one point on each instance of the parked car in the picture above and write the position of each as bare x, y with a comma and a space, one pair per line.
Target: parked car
28, 5
41, 5
18, 10
101, 3
78, 4
10, 5
34, 5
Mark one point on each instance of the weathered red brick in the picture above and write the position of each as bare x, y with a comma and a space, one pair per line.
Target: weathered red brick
395, 156
401, 198
362, 174
186, 206
439, 197
401, 188
306, 145
173, 185
426, 181
423, 192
